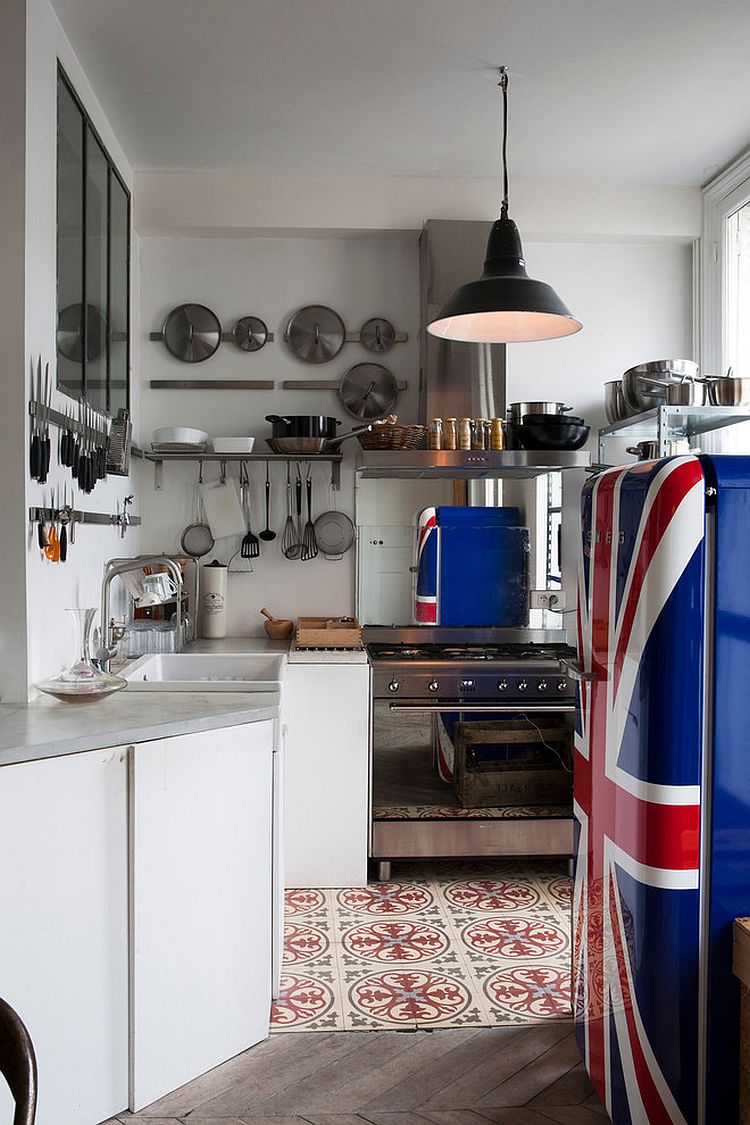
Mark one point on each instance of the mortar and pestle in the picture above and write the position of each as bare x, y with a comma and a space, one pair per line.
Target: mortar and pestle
277, 628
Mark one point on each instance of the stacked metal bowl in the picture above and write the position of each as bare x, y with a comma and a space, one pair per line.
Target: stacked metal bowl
660, 382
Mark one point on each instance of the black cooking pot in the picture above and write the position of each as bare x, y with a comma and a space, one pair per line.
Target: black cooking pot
303, 426
533, 434
554, 419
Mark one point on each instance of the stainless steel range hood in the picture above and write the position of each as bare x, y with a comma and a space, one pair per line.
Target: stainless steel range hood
459, 464
457, 380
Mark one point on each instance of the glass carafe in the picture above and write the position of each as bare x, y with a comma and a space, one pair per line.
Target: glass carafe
82, 682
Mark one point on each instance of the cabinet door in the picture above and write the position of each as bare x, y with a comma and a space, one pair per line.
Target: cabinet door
200, 903
64, 928
326, 710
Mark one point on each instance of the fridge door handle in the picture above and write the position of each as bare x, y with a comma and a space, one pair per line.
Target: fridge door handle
577, 671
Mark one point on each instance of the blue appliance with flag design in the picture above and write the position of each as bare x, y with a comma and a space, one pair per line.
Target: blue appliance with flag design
471, 567
662, 786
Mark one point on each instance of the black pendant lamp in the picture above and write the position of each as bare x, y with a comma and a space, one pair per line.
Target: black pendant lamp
504, 305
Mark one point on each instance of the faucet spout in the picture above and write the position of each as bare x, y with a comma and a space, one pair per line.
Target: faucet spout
116, 567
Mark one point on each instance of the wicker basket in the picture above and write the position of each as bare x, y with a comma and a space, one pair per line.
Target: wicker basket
390, 436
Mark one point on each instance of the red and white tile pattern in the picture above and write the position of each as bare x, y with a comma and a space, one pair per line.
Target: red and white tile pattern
448, 945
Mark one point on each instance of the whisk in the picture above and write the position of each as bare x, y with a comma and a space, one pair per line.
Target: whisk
309, 541
289, 544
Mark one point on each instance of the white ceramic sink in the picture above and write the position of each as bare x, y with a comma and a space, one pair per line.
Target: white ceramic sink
208, 671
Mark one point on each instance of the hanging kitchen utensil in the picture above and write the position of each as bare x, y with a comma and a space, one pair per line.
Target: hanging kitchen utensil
35, 448
368, 390
250, 546
197, 539
315, 334
309, 542
289, 535
222, 508
45, 448
192, 333
267, 535
334, 532
250, 333
377, 335
237, 563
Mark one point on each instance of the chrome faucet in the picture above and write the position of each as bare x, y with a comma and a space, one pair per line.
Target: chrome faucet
108, 628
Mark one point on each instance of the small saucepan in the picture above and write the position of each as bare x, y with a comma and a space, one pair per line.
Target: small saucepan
645, 450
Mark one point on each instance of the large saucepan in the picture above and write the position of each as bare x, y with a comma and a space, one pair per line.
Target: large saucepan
642, 385
308, 433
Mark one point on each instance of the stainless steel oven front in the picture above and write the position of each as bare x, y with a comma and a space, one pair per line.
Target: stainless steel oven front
471, 756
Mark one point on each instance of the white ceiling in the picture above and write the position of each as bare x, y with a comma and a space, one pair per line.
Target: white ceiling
653, 91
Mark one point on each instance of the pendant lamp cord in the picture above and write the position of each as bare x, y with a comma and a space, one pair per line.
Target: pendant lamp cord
503, 84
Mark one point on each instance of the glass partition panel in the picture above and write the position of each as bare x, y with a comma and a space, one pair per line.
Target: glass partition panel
70, 142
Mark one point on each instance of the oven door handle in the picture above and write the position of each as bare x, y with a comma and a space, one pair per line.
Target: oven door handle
484, 708
577, 671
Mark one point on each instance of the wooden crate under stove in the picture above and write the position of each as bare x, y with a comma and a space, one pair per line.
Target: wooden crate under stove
525, 776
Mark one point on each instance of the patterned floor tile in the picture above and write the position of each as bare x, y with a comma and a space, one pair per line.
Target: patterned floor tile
448, 945
416, 996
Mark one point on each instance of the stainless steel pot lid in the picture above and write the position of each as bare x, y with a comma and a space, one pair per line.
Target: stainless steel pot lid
316, 333
250, 333
377, 335
368, 390
334, 532
192, 333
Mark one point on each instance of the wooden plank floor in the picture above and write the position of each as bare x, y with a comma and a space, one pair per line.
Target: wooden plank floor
529, 1075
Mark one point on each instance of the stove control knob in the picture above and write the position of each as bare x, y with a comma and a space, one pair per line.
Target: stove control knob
432, 686
466, 684
503, 685
522, 685
563, 685
541, 685
393, 685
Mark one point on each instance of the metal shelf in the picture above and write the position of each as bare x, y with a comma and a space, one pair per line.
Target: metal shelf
663, 423
459, 464
158, 459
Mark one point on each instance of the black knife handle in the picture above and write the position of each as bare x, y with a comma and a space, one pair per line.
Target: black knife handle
63, 543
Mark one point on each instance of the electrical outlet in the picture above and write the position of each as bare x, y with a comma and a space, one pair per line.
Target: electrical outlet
547, 599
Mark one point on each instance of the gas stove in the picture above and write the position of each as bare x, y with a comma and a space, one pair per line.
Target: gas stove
471, 671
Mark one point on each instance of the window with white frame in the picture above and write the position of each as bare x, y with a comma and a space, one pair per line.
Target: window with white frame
725, 289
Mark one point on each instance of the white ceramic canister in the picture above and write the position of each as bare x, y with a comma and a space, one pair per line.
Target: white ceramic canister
213, 600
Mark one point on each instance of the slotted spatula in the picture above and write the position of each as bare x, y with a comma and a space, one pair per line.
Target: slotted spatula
250, 545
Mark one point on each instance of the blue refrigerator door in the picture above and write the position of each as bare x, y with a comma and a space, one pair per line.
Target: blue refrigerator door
727, 771
637, 788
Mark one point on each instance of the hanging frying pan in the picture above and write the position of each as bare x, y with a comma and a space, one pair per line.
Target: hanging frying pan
250, 333
377, 335
315, 334
368, 390
192, 333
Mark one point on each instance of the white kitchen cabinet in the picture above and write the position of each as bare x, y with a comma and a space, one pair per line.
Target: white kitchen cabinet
64, 928
201, 834
326, 711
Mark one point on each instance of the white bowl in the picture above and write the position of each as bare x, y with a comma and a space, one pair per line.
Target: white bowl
179, 435
233, 444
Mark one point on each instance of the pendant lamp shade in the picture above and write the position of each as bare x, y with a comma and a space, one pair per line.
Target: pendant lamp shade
504, 305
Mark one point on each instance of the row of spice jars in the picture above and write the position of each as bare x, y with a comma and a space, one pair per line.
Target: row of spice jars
466, 433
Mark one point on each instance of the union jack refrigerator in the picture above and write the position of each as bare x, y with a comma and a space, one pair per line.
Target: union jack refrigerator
662, 786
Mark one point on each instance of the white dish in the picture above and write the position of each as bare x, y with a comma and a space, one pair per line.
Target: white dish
233, 444
179, 435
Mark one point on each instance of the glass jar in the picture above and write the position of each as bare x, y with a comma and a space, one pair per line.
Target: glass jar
450, 434
497, 435
477, 433
435, 434
464, 433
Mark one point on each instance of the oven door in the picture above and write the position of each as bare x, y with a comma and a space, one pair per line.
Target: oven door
436, 760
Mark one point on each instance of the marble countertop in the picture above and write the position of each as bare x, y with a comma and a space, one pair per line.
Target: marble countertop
46, 728
49, 729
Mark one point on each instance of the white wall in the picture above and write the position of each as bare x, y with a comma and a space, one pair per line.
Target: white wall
269, 277
52, 587
231, 202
